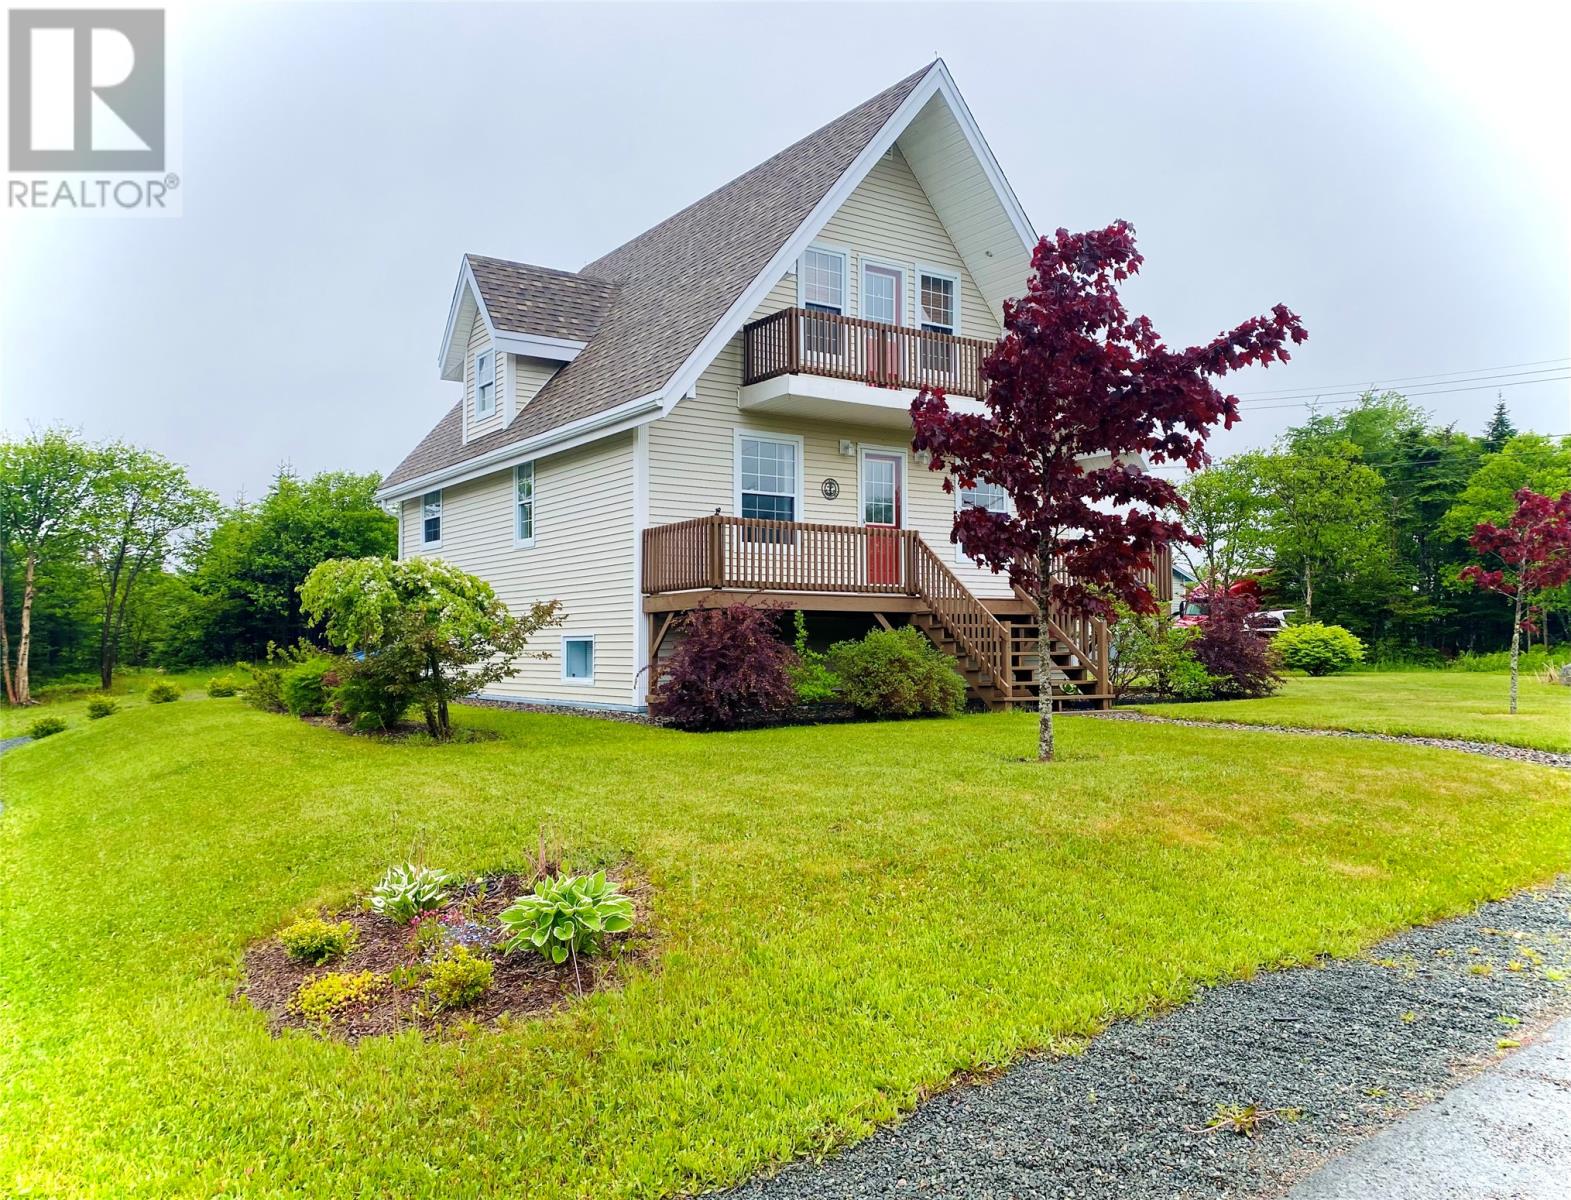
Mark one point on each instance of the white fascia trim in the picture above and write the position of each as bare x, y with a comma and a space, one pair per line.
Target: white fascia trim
937, 82
533, 345
553, 441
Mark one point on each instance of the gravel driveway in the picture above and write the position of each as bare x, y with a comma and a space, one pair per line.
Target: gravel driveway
1333, 1052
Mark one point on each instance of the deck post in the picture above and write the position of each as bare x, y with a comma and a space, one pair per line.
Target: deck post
908, 539
1101, 665
716, 552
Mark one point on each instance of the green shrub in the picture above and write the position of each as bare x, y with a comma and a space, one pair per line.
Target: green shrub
307, 687
222, 685
1318, 649
458, 979
46, 727
367, 698
814, 682
316, 941
163, 693
1147, 651
897, 673
100, 707
265, 689
1532, 661
320, 1000
566, 913
407, 891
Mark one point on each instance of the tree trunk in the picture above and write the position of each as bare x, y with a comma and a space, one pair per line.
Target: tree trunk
1516, 643
1044, 662
1309, 594
5, 642
24, 638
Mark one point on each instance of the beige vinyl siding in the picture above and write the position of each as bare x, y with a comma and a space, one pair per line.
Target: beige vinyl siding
526, 377
582, 556
888, 219
474, 426
692, 450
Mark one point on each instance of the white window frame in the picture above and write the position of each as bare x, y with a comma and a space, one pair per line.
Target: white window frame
903, 270
736, 466
919, 317
844, 255
487, 356
961, 557
903, 484
577, 680
520, 540
441, 519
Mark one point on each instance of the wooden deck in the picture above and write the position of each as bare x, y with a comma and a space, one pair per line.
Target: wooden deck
719, 560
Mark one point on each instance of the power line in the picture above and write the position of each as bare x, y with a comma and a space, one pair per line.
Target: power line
1333, 388
1363, 462
1257, 406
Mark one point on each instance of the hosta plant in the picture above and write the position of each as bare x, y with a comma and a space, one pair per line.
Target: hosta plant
566, 914
407, 891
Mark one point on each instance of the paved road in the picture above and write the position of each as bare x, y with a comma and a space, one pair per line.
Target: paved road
1503, 1135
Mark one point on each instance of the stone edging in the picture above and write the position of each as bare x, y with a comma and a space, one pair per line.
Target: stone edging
1543, 758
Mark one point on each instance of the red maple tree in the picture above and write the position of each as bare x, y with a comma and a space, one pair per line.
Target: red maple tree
1075, 379
1534, 550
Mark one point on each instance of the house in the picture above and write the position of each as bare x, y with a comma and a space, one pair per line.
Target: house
717, 411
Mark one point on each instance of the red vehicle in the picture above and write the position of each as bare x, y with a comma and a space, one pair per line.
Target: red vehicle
1197, 606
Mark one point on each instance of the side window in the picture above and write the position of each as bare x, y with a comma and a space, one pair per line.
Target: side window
431, 512
822, 281
578, 658
524, 503
985, 495
485, 383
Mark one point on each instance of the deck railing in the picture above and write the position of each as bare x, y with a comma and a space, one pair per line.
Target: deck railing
800, 341
775, 556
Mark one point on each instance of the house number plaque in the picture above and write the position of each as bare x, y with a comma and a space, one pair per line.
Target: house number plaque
831, 488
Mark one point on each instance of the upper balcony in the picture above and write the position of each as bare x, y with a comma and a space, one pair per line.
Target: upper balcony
822, 364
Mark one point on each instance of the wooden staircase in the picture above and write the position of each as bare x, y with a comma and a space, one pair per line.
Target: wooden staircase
999, 656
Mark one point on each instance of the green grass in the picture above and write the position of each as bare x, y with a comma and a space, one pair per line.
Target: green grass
847, 917
1454, 704
68, 698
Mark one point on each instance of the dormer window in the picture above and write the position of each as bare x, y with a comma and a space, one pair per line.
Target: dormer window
485, 383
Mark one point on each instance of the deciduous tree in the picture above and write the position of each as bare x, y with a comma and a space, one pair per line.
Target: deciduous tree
46, 488
1534, 553
1074, 378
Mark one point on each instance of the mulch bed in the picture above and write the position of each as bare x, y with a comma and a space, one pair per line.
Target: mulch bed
524, 984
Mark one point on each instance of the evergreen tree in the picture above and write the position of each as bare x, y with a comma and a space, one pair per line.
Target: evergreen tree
1500, 430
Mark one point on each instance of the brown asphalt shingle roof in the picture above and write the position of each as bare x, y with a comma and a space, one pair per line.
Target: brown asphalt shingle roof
653, 300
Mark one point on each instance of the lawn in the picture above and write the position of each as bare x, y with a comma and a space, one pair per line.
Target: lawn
1453, 704
68, 698
848, 917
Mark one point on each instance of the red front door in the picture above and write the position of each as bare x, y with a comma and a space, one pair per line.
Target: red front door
882, 485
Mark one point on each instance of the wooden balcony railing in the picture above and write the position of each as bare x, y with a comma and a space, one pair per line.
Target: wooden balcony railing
799, 341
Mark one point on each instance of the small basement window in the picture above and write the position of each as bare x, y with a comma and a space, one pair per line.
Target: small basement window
485, 383
578, 658
431, 511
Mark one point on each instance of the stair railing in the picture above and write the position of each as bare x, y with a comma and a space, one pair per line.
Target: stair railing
965, 618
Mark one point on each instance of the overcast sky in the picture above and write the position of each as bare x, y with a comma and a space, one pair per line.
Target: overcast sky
1397, 176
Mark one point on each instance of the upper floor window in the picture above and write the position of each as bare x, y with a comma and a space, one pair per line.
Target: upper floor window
938, 303
824, 280
767, 471
431, 524
485, 383
524, 503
